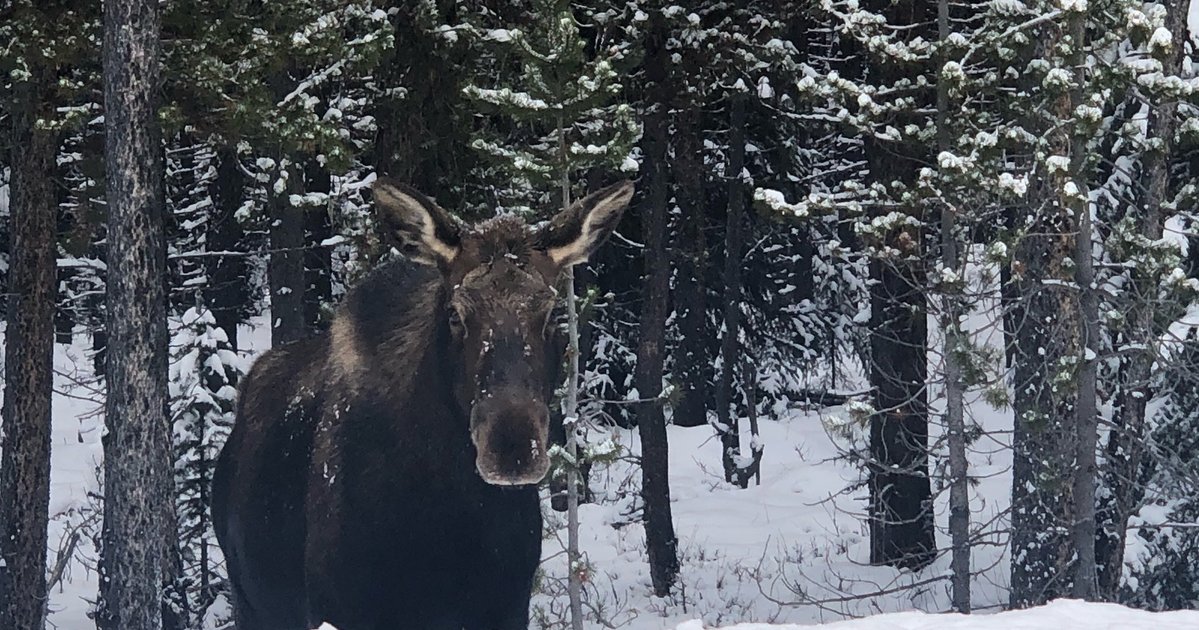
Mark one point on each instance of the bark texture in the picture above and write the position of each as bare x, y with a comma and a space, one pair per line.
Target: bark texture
900, 507
693, 355
137, 468
734, 242
1086, 582
28, 368
901, 516
1053, 506
661, 543
227, 293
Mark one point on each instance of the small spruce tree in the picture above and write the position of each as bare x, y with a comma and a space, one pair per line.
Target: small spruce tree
566, 100
204, 375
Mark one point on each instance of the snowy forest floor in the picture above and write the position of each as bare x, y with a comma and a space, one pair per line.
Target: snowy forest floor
791, 550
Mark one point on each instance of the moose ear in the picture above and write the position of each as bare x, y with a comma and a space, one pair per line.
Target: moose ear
413, 224
575, 233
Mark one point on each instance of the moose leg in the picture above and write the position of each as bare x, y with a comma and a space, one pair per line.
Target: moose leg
504, 607
516, 617
244, 615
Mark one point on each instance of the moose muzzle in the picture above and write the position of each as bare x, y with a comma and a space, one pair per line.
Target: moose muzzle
510, 431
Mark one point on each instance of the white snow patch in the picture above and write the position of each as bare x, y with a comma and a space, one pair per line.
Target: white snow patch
1057, 615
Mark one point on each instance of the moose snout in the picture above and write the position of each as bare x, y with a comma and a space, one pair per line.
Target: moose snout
510, 435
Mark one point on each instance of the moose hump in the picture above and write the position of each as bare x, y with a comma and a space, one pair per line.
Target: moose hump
383, 475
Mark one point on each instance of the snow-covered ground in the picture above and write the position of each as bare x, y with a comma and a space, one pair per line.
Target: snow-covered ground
1058, 615
793, 549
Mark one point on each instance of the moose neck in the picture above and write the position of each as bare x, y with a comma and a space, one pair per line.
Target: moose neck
390, 339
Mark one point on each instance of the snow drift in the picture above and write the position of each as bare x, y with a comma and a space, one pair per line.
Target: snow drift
1062, 614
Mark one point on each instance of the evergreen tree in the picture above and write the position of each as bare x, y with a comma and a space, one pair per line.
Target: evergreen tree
204, 375
1164, 575
1145, 269
299, 76
878, 85
565, 97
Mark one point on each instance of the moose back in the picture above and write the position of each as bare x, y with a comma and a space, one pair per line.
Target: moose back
383, 474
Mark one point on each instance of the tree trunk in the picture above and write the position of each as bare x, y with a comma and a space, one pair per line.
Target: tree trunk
286, 266
137, 467
901, 514
1125, 448
660, 541
318, 260
570, 423
956, 343
228, 275
693, 356
1043, 440
734, 242
1086, 581
1053, 504
900, 508
28, 366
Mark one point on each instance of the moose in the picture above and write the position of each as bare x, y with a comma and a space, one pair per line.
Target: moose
383, 474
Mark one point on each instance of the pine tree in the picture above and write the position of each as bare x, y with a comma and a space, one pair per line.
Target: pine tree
300, 77
1164, 575
565, 97
204, 375
878, 86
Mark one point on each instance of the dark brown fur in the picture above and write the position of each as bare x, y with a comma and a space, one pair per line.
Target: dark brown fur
382, 475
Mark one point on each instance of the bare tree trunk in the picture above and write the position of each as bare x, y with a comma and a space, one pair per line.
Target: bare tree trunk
955, 423
318, 261
1044, 439
28, 364
1086, 582
227, 293
574, 585
660, 541
1125, 447
137, 468
901, 517
692, 357
734, 242
286, 266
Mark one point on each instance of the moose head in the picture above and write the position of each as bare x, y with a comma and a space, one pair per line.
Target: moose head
500, 277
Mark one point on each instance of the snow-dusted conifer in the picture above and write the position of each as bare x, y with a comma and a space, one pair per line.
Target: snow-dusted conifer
204, 375
1163, 574
567, 99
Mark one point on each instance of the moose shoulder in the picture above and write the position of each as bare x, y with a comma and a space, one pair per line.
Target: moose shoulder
383, 475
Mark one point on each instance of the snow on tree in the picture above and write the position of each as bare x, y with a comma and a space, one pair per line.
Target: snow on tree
299, 78
566, 98
204, 375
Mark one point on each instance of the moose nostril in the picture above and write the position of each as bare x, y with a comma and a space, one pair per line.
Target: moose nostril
513, 450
